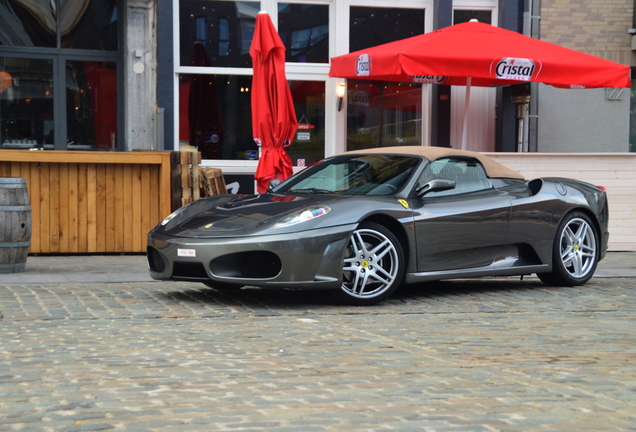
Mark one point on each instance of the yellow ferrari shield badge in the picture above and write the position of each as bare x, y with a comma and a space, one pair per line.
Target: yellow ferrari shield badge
404, 203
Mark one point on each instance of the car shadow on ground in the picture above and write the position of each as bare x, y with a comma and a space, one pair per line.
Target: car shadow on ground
468, 286
297, 298
285, 297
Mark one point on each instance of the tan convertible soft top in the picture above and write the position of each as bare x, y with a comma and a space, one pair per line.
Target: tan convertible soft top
493, 169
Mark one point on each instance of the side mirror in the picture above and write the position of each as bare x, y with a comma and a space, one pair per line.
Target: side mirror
436, 185
272, 184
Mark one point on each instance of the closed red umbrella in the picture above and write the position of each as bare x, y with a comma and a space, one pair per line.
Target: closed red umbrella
480, 54
274, 121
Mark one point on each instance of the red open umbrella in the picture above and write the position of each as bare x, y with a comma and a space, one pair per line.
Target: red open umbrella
479, 54
274, 121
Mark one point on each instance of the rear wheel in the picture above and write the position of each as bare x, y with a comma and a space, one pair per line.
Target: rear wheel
373, 265
575, 252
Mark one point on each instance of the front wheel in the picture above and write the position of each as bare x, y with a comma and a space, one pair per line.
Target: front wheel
373, 265
575, 252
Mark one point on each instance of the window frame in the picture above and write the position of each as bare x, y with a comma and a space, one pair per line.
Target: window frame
294, 72
59, 57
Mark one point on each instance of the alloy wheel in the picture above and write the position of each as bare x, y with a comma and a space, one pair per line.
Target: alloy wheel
578, 248
372, 266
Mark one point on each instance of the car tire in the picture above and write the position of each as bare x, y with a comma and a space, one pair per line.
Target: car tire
373, 265
575, 252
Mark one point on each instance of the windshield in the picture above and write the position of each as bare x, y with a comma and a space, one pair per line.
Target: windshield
353, 175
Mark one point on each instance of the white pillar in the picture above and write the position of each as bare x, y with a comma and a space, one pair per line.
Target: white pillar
140, 65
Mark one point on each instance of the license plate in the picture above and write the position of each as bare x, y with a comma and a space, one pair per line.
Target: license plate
186, 252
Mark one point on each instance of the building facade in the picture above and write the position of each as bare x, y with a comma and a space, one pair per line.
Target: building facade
169, 74
598, 120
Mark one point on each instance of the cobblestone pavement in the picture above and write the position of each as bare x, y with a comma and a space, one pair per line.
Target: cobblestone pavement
467, 355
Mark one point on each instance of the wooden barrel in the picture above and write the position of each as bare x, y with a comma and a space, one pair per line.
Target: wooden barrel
15, 224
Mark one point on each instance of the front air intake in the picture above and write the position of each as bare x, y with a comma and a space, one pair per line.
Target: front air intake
155, 260
249, 265
260, 265
189, 270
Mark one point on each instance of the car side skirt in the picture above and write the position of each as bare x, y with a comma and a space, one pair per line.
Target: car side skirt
476, 272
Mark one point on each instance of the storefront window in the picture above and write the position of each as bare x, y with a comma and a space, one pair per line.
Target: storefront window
223, 28
304, 29
381, 114
91, 105
371, 26
308, 146
217, 133
227, 133
82, 24
465, 15
26, 103
65, 96
25, 24
89, 25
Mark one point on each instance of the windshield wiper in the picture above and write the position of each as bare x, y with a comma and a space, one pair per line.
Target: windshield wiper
310, 190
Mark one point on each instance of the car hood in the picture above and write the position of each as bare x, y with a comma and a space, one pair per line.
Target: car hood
236, 215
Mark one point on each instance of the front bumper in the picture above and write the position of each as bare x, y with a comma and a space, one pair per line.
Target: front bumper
310, 259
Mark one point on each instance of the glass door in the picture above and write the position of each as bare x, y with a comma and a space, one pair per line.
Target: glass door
26, 103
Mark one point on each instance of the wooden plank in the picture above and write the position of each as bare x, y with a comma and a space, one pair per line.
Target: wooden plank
109, 220
54, 207
15, 170
194, 175
64, 203
189, 176
151, 158
82, 207
127, 218
186, 179
146, 216
163, 182
72, 208
105, 212
33, 184
158, 209
92, 207
117, 223
219, 180
44, 225
138, 235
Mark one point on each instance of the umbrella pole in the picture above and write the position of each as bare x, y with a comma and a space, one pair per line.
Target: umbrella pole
520, 135
466, 109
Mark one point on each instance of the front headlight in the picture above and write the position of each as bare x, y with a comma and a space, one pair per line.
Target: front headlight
303, 215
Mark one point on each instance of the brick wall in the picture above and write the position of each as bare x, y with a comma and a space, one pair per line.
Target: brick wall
598, 27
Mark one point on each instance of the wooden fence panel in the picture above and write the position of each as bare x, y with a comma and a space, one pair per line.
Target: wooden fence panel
92, 202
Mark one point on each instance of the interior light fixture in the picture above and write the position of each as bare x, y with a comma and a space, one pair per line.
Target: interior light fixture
340, 92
